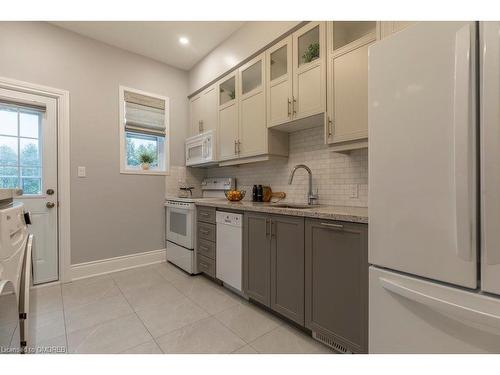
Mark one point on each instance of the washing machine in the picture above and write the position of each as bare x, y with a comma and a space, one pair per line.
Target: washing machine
15, 273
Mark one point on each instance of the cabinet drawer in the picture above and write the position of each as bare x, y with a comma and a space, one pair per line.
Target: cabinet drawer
206, 265
206, 248
206, 231
206, 214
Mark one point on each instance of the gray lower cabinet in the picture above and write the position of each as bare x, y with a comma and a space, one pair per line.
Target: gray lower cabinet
287, 267
273, 262
206, 240
336, 283
257, 257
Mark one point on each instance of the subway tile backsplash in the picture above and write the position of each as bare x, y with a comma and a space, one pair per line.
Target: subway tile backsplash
335, 175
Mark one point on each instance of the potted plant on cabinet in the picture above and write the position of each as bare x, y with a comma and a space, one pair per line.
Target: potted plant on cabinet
146, 158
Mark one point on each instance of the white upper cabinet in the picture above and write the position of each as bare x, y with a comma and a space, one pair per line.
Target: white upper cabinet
296, 78
228, 116
243, 133
279, 82
252, 106
346, 125
309, 70
203, 111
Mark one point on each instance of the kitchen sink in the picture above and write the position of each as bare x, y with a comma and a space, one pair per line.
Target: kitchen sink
292, 205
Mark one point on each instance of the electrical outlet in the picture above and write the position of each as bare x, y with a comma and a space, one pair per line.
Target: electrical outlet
353, 191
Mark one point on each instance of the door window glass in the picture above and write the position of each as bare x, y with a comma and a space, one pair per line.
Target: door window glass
20, 156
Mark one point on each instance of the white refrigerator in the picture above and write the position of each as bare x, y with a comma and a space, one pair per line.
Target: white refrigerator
434, 189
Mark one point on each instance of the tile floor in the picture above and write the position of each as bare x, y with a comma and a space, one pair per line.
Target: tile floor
158, 309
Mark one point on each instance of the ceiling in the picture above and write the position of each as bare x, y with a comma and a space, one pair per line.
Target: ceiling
159, 40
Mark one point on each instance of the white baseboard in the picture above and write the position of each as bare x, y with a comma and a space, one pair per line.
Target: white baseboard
104, 266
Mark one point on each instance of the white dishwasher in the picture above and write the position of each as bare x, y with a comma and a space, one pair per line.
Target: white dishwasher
229, 249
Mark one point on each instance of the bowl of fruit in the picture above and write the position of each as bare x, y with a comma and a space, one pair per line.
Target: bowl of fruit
234, 195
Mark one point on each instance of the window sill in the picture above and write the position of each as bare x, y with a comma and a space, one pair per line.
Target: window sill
145, 172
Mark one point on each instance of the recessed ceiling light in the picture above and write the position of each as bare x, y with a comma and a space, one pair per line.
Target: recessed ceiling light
183, 40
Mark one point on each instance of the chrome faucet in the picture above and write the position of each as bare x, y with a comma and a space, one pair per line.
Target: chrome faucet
311, 198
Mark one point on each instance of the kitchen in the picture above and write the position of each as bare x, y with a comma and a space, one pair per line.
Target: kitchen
272, 187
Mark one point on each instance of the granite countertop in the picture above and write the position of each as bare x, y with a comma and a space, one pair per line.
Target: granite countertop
342, 213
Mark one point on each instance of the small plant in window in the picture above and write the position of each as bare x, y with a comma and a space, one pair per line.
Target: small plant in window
146, 158
312, 52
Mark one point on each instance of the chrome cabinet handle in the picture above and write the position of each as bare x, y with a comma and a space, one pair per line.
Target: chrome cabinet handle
333, 226
289, 107
50, 204
273, 223
239, 143
330, 123
235, 147
294, 102
267, 228
204, 214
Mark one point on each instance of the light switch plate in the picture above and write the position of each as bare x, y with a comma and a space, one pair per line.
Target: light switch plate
82, 172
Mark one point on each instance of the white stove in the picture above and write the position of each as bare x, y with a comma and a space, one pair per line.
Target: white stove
180, 230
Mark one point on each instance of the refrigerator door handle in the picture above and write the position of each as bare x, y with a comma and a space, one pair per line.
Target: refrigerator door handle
437, 304
462, 148
490, 142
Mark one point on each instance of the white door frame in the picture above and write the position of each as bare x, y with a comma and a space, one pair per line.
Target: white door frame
63, 165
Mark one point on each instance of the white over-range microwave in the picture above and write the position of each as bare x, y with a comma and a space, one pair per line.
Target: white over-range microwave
201, 149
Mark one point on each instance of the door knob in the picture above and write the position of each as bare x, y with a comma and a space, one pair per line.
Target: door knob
50, 191
50, 204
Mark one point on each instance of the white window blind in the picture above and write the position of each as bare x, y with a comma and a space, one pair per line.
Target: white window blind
144, 114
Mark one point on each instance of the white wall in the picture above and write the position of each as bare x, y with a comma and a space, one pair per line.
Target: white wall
111, 214
243, 43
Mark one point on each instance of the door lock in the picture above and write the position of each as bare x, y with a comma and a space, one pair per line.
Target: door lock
50, 191
50, 204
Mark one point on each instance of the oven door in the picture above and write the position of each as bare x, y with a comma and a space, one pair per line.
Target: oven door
180, 226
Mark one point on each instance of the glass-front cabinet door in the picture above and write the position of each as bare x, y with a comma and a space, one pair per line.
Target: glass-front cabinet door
343, 33
228, 117
309, 75
279, 82
252, 108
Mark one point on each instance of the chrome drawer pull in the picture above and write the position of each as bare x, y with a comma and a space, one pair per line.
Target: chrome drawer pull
204, 214
333, 226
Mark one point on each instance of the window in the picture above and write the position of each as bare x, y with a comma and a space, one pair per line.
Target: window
20, 157
144, 132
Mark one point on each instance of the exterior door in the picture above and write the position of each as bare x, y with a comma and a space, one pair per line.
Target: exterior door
490, 156
422, 152
257, 257
252, 124
309, 70
28, 160
279, 82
